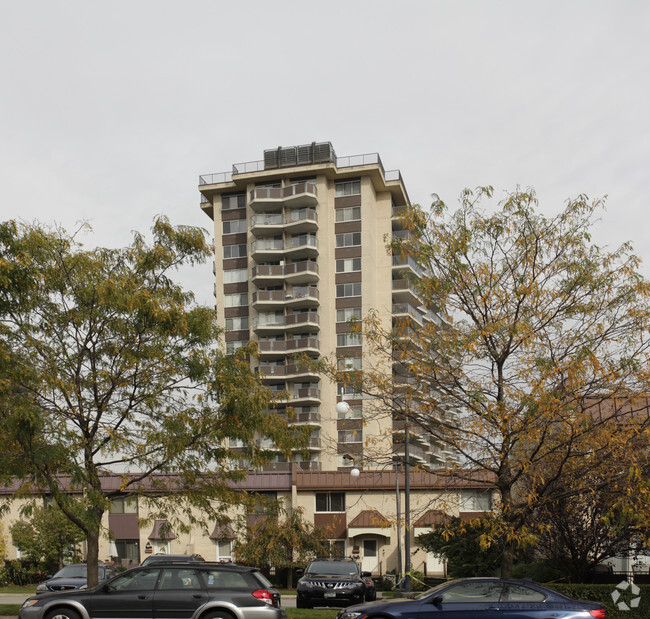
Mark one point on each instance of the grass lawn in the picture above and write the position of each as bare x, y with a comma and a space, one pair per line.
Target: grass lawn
26, 589
311, 613
9, 609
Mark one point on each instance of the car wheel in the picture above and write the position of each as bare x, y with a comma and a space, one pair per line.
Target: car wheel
62, 613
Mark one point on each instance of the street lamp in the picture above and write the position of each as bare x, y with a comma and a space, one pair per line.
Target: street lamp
342, 409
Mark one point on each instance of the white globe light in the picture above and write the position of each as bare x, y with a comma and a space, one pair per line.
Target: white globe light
355, 472
342, 408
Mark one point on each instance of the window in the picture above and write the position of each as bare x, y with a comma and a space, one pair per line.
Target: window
229, 202
351, 213
173, 579
126, 505
350, 436
349, 239
347, 314
270, 318
346, 364
224, 551
232, 347
216, 579
348, 188
348, 265
234, 251
520, 593
348, 339
238, 323
141, 580
239, 299
474, 592
476, 501
348, 290
337, 547
233, 276
354, 412
347, 390
330, 501
234, 226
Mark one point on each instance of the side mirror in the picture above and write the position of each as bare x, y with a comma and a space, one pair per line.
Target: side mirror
300, 571
366, 574
437, 600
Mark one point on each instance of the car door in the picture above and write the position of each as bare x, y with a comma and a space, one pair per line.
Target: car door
468, 599
180, 592
129, 596
521, 602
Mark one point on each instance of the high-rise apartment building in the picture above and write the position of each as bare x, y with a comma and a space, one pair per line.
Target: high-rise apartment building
301, 248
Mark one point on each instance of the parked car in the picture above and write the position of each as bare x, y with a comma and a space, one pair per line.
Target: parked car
333, 582
74, 576
169, 558
164, 591
481, 598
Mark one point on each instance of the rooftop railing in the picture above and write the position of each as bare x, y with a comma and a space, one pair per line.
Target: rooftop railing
249, 167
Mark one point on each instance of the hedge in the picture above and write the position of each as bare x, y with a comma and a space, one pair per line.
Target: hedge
603, 594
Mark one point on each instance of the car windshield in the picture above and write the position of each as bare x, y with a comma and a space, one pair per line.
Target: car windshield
333, 568
72, 571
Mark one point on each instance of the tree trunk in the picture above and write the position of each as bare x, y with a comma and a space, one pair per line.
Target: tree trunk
507, 560
290, 577
92, 556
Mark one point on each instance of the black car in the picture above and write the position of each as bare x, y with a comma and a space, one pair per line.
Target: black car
74, 576
190, 590
333, 582
481, 598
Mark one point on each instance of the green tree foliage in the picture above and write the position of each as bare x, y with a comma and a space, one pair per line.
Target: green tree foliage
49, 538
538, 366
463, 545
281, 540
108, 364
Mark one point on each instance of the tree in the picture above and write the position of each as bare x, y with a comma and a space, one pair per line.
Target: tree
287, 543
49, 537
107, 364
463, 546
536, 363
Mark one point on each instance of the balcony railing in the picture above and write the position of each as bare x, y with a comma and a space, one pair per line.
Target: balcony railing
282, 193
303, 342
301, 318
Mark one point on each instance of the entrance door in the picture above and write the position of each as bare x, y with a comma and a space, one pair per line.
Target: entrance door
370, 560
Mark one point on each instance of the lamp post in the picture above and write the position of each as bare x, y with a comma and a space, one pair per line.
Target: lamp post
343, 408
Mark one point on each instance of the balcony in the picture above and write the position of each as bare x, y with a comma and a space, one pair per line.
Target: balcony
267, 299
267, 250
302, 246
272, 347
273, 370
302, 296
303, 272
265, 223
302, 345
269, 324
295, 371
406, 264
306, 394
268, 274
301, 321
404, 292
406, 310
295, 196
301, 220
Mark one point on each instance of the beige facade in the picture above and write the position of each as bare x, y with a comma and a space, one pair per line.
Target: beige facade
358, 515
300, 248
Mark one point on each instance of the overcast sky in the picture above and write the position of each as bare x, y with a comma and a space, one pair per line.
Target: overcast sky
111, 110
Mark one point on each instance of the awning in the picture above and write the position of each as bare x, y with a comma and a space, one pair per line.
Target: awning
370, 522
222, 532
161, 531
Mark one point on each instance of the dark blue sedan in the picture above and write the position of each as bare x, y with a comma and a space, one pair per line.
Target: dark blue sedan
485, 598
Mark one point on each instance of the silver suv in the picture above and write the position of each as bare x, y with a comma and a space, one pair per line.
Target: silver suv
190, 590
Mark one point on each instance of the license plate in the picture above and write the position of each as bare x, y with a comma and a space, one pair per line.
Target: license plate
330, 595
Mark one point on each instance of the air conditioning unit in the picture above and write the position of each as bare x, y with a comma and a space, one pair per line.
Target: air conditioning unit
271, 159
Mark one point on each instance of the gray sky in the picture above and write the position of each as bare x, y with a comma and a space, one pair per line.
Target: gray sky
111, 110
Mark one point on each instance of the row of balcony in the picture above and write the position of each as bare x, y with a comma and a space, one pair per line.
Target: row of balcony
285, 370
298, 220
276, 248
